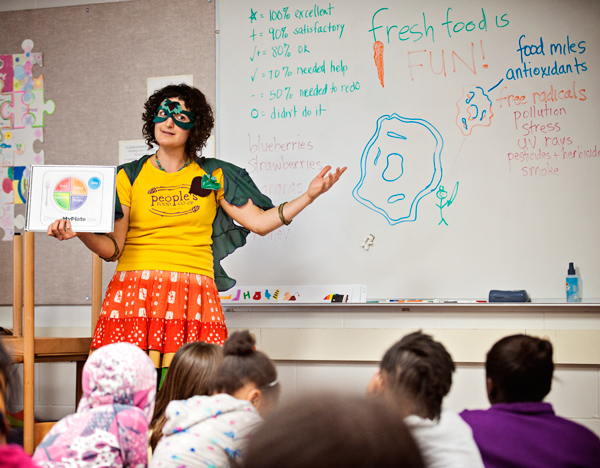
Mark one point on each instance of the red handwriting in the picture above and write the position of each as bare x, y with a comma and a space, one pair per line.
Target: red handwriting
550, 94
441, 67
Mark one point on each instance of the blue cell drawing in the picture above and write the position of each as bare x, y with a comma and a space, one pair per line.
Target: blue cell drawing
401, 164
474, 109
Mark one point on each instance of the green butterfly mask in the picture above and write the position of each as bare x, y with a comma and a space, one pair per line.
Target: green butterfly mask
183, 119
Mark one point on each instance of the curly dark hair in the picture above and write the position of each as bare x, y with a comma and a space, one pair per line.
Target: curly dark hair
421, 368
243, 364
196, 103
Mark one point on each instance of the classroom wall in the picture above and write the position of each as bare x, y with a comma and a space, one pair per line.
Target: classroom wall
575, 391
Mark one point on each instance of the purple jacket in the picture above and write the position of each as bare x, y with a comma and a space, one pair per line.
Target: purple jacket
530, 435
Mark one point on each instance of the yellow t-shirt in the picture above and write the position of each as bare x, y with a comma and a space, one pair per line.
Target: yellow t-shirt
169, 228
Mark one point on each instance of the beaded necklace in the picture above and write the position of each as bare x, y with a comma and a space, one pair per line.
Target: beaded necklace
187, 163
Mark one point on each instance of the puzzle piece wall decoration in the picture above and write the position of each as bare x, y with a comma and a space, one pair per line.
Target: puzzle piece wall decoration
38, 108
6, 187
23, 70
23, 140
6, 74
20, 179
5, 98
16, 111
6, 148
7, 221
22, 113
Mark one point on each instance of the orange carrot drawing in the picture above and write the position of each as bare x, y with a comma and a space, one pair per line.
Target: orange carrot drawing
378, 49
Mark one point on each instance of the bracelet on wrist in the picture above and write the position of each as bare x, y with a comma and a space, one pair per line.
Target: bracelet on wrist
281, 217
117, 250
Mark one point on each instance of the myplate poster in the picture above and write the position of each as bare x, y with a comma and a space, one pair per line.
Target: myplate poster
84, 195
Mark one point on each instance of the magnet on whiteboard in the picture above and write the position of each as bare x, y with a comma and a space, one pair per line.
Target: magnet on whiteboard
368, 242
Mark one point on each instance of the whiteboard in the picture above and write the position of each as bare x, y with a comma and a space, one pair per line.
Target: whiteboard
469, 129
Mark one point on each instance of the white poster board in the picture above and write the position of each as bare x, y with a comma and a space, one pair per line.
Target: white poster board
84, 195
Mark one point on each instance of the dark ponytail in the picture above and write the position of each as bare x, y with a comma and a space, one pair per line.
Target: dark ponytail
240, 344
243, 364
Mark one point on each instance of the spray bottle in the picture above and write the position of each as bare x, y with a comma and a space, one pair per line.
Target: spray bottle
572, 284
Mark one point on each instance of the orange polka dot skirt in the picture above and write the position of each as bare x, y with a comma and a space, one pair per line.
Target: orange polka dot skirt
160, 310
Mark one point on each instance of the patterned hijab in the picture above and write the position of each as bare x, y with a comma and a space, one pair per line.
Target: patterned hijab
119, 373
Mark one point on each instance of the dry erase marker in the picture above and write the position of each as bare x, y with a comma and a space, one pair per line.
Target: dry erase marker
407, 301
465, 302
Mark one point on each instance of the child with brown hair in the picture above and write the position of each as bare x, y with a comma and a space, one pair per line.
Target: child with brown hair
213, 430
189, 375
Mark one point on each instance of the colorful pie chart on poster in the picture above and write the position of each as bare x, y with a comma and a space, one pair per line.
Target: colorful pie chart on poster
70, 193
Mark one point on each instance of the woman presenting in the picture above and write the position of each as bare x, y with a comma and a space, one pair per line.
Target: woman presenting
174, 223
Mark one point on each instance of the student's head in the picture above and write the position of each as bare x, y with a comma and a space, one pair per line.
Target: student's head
333, 431
418, 371
519, 368
247, 374
119, 373
189, 374
195, 102
5, 382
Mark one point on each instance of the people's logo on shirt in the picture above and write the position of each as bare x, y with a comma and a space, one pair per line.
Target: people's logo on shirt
173, 200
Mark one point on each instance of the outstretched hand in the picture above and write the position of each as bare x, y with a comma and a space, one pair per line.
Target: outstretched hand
61, 229
323, 182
